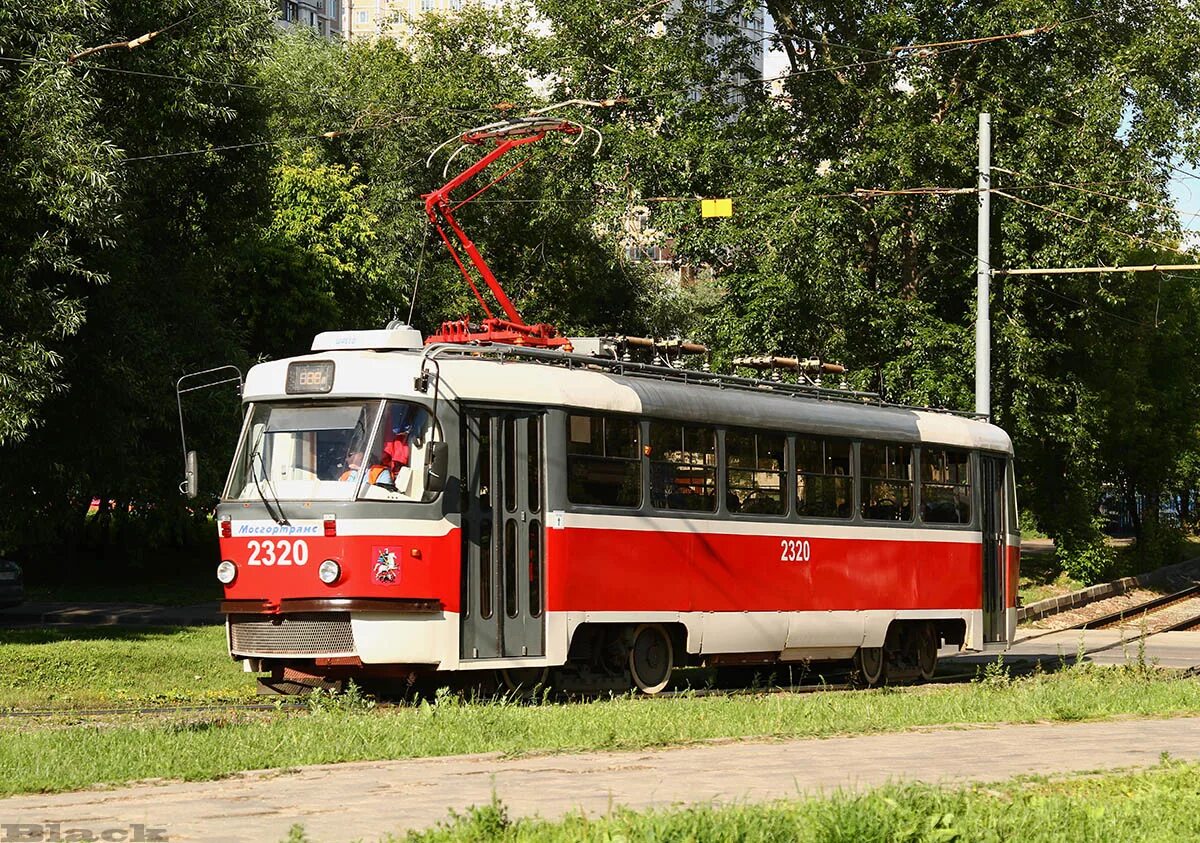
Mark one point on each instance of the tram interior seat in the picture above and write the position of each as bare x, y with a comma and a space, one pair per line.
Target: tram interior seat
763, 503
874, 512
883, 511
692, 502
944, 512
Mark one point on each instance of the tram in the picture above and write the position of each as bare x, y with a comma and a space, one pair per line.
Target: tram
499, 497
396, 508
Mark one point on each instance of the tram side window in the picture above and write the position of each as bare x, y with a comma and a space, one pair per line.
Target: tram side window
604, 466
887, 481
754, 462
945, 486
683, 467
823, 478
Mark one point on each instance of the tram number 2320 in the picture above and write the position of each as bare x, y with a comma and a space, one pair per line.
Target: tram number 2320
794, 550
281, 552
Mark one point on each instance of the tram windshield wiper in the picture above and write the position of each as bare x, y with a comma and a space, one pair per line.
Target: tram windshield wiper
256, 454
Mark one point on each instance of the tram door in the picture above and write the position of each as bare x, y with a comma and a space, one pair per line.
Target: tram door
991, 470
503, 570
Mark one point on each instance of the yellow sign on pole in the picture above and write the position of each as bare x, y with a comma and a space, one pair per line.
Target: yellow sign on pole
716, 207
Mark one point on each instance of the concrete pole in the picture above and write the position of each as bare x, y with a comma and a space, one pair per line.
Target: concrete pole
983, 272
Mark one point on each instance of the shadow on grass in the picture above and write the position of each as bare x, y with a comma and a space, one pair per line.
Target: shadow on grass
111, 632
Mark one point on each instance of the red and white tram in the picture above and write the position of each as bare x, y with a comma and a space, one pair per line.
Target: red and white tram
396, 508
495, 500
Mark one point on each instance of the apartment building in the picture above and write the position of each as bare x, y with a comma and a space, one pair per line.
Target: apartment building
321, 16
379, 18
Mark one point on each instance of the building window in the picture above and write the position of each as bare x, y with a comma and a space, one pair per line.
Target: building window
886, 481
604, 461
945, 486
360, 17
754, 473
427, 5
291, 11
823, 478
683, 467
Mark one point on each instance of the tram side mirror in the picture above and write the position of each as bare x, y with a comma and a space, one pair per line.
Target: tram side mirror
191, 482
436, 465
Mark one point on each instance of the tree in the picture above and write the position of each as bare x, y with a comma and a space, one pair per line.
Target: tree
59, 193
315, 266
119, 221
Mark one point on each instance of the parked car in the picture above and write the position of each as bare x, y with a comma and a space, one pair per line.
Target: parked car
12, 584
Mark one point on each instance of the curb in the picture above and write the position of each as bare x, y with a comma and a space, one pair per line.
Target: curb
1065, 602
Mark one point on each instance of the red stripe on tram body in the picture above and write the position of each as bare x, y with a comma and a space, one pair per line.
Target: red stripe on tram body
624, 570
649, 570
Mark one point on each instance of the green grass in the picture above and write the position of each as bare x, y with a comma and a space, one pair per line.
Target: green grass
1160, 804
50, 757
106, 666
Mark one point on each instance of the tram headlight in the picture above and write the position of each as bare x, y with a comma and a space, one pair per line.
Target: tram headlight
329, 571
226, 572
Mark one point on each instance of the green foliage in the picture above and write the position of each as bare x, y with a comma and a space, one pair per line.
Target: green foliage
315, 267
1084, 556
59, 193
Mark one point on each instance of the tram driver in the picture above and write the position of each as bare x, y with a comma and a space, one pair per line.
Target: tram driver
377, 475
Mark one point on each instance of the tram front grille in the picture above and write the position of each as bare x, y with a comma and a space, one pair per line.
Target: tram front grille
292, 635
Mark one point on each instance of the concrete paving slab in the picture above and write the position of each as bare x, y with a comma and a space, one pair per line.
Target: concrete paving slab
1102, 646
366, 800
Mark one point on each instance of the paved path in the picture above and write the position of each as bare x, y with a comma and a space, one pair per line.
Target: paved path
369, 799
105, 614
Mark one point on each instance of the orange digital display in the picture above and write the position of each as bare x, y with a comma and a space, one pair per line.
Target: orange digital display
310, 377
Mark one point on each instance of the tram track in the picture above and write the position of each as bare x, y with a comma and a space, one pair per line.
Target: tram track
1174, 612
301, 705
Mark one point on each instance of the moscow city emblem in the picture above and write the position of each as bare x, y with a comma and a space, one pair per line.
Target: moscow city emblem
386, 567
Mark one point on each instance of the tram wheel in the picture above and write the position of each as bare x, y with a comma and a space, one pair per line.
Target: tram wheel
927, 651
871, 664
651, 658
524, 683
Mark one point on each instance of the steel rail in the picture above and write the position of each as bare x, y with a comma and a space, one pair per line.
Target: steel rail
142, 710
1141, 609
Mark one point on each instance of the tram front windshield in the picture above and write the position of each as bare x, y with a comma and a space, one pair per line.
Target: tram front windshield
333, 450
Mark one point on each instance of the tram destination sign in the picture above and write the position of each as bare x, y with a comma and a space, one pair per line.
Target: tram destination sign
309, 377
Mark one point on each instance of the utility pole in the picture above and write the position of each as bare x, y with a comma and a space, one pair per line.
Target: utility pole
983, 272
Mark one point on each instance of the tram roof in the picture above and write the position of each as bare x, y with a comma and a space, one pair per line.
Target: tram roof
487, 379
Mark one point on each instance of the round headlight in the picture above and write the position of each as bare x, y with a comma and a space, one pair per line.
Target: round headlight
226, 572
329, 571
